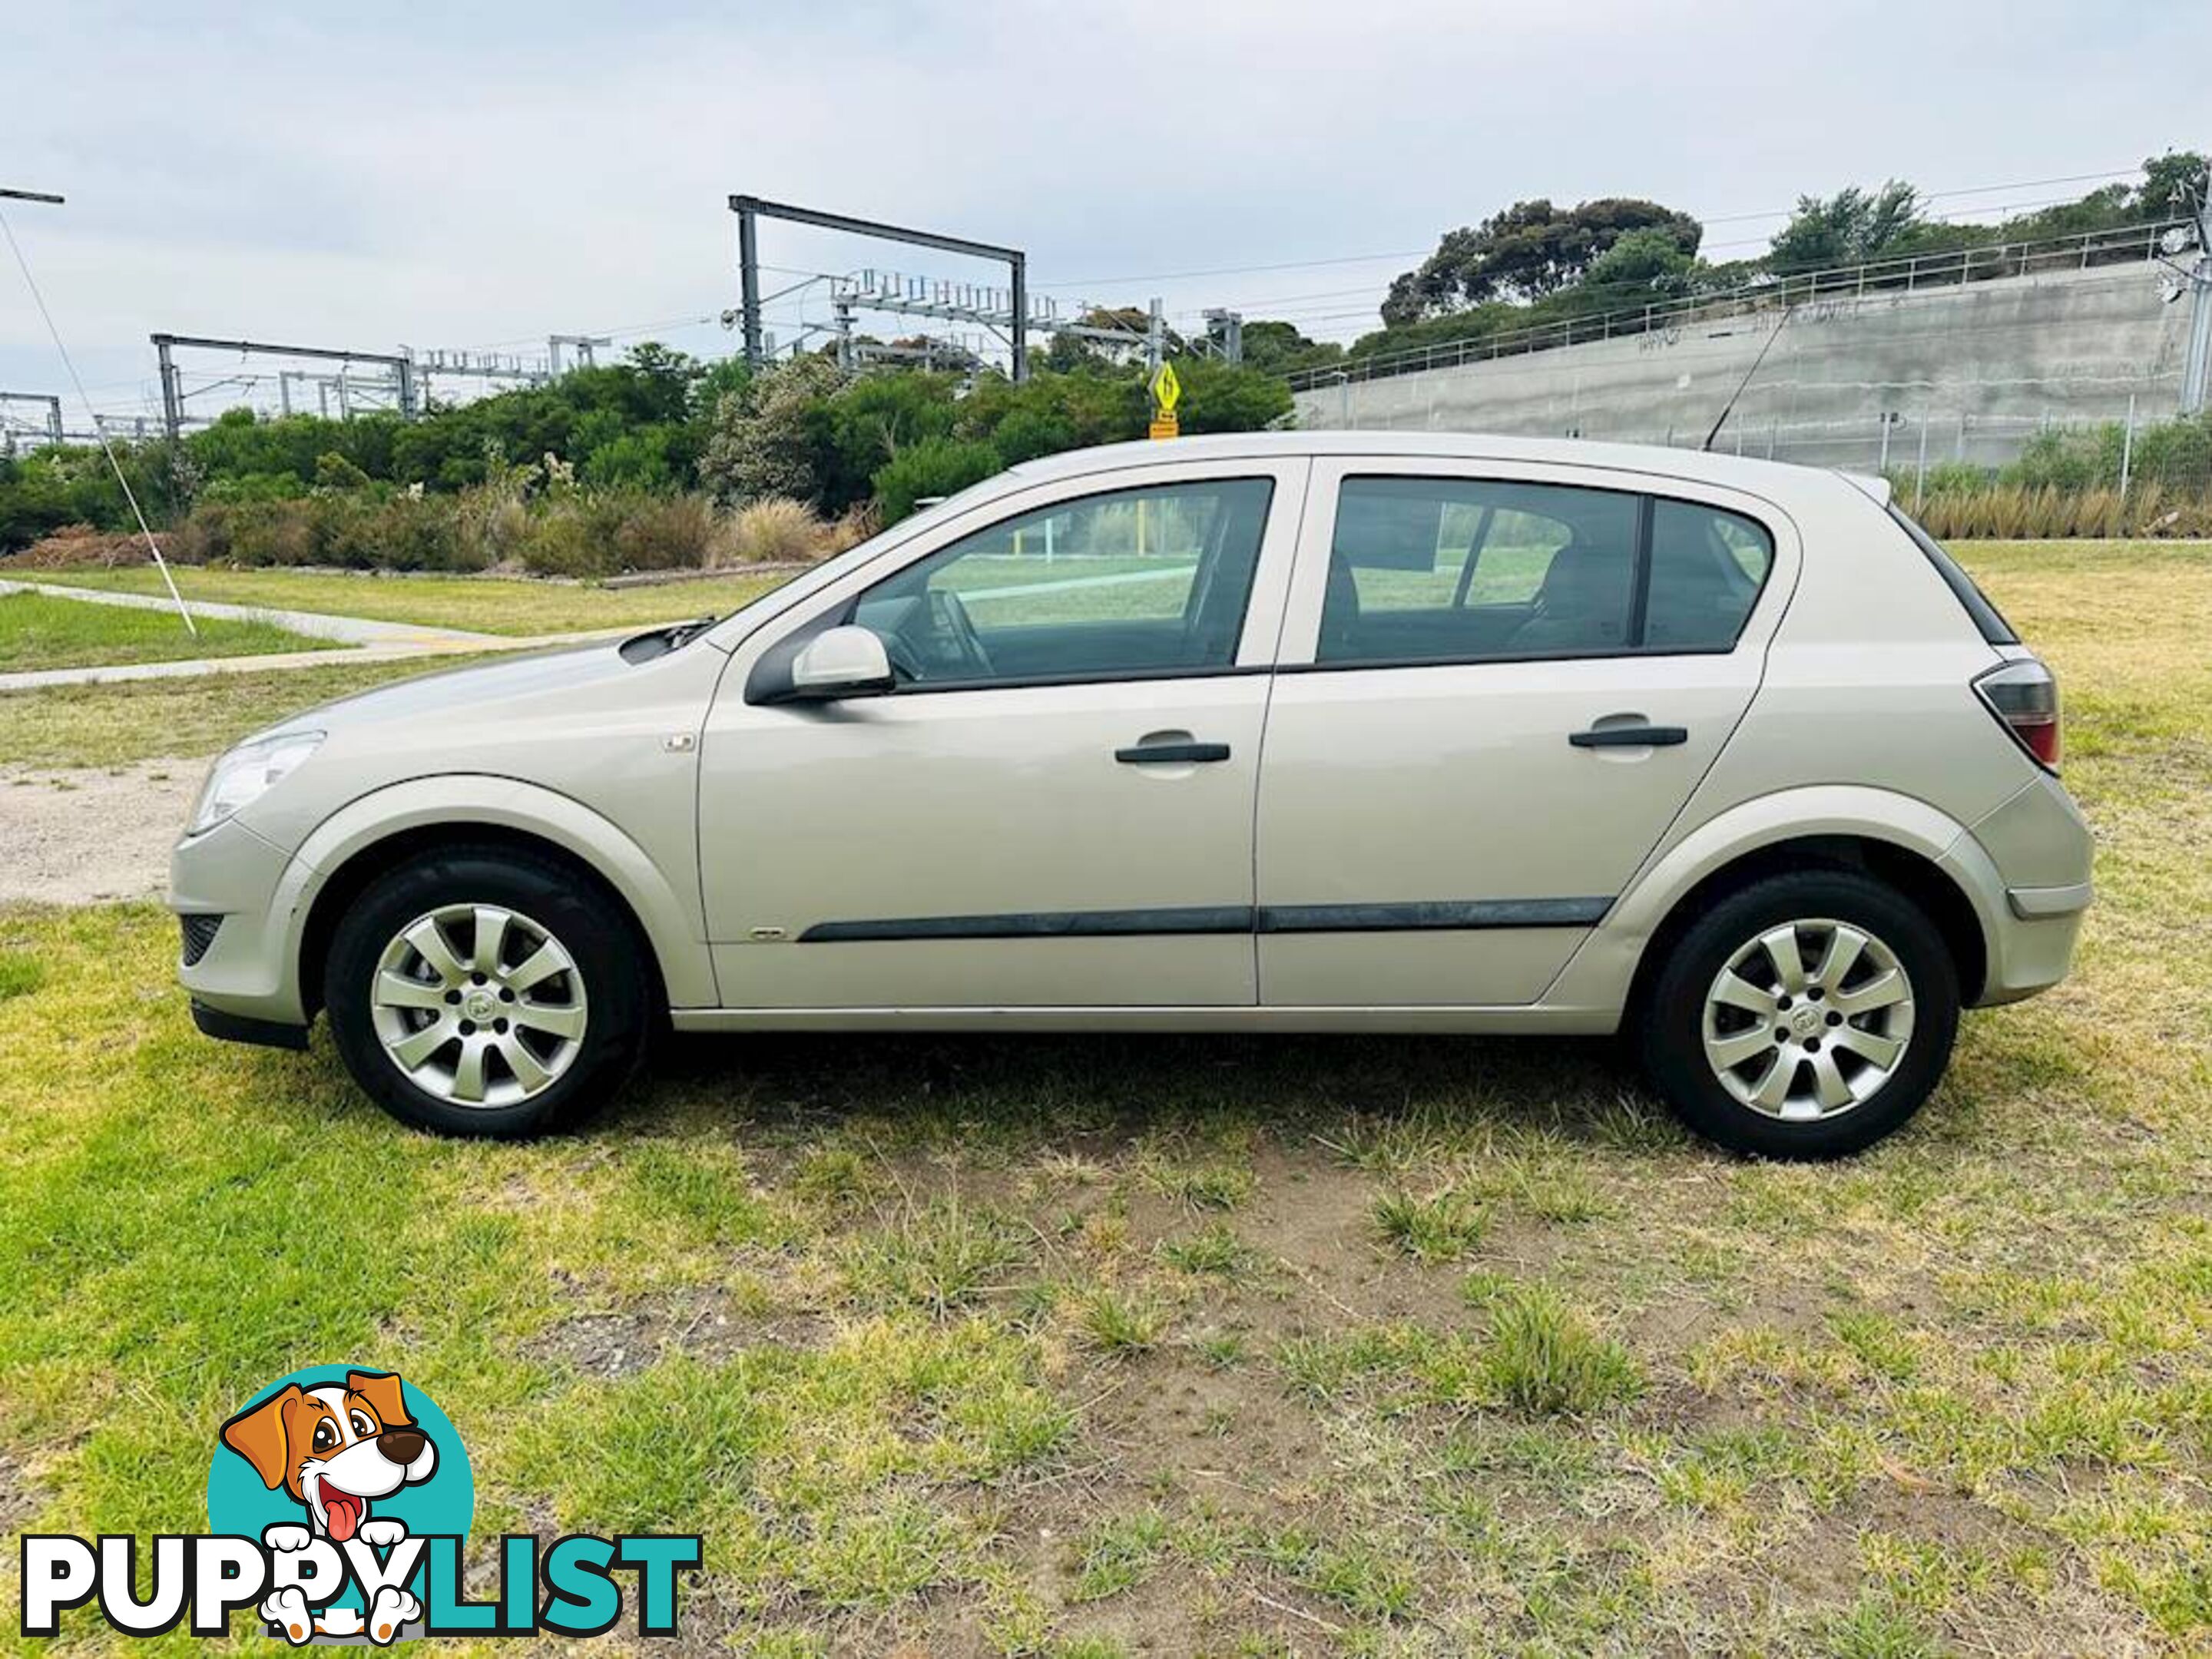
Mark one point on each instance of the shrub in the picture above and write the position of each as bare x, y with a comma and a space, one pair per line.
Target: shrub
660, 532
774, 529
355, 531
400, 532
854, 525
939, 466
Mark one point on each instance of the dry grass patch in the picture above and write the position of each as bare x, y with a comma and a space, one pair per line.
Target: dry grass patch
1100, 1345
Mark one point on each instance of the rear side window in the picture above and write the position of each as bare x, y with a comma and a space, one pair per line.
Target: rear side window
1467, 571
1455, 569
1994, 629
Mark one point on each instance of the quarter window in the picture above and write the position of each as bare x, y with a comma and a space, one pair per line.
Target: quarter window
1707, 567
1137, 581
1466, 570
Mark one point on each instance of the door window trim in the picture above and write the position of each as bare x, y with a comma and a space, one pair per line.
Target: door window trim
1648, 498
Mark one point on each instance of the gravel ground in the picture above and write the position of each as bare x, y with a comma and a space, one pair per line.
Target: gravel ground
79, 835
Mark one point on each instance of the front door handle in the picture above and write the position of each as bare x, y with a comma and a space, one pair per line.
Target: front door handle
1165, 753
1630, 737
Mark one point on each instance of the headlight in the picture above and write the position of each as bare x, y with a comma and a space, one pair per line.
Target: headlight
245, 774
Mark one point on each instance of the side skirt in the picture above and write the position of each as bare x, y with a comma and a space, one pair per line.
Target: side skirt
1409, 1020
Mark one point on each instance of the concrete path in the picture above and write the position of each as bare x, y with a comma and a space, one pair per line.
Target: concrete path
33, 679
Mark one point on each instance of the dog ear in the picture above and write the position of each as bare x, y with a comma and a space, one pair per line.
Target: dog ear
381, 1390
257, 1436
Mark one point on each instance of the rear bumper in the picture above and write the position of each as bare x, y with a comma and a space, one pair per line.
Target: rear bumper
2027, 867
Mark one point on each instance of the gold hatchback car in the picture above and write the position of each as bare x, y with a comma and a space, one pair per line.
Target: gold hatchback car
1346, 731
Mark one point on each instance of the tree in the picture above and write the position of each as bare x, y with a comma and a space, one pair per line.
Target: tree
1641, 266
763, 440
1218, 396
2174, 184
1528, 252
869, 423
1846, 228
1277, 348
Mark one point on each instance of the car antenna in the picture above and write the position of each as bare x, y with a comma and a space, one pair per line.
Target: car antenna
1729, 408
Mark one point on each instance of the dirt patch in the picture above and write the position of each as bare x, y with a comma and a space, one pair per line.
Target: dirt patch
80, 835
618, 1342
21, 1497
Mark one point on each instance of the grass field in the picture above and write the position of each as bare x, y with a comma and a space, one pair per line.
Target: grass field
114, 723
37, 632
488, 605
1086, 1347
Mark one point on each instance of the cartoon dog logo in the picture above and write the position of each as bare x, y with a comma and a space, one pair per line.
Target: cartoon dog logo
336, 1450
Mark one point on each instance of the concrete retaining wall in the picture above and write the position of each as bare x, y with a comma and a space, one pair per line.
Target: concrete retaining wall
1959, 373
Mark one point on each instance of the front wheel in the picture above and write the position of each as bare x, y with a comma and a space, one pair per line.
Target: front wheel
486, 992
1805, 1017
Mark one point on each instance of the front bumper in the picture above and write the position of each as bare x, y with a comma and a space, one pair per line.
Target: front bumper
238, 1028
248, 976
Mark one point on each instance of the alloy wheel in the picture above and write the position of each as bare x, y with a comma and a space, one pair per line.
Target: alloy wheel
478, 1005
1808, 1020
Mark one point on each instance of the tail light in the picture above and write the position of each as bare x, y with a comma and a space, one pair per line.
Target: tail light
2024, 695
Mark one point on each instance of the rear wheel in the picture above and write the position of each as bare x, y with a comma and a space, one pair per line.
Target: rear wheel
486, 992
1806, 1016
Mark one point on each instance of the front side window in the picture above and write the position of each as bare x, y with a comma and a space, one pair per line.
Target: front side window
1459, 569
1138, 581
1466, 570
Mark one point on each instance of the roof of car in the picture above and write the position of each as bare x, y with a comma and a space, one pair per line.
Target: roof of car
1757, 476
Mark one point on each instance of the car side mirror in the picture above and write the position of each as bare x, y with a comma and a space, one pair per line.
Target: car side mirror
842, 662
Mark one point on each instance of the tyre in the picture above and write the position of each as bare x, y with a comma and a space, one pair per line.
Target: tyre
1804, 1017
483, 991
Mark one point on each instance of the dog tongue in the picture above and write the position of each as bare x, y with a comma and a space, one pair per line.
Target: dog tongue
345, 1511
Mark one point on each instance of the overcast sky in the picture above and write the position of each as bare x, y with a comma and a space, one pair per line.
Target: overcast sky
479, 176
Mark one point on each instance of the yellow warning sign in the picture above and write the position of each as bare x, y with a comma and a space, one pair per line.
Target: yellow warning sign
1167, 392
1167, 427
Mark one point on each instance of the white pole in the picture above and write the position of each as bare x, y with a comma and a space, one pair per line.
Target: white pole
70, 363
2128, 446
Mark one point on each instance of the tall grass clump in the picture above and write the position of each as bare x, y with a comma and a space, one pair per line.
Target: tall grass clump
1546, 1360
772, 530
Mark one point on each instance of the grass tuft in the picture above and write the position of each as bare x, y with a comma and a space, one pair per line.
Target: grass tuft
1118, 1323
948, 1255
1211, 1249
1544, 1360
1444, 1227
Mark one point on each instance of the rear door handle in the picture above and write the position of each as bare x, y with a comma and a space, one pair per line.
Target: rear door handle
1165, 753
1630, 737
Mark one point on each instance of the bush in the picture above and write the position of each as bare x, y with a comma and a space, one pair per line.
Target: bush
940, 466
2019, 511
774, 529
404, 533
854, 525
353, 531
661, 532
